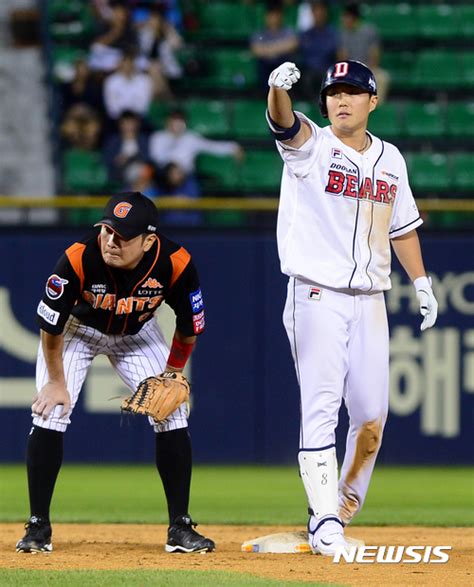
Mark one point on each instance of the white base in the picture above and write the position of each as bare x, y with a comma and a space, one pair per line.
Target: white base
286, 543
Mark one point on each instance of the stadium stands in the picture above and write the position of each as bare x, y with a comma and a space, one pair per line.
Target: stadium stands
84, 172
427, 51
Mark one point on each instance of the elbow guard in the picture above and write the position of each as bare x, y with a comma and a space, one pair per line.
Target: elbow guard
280, 133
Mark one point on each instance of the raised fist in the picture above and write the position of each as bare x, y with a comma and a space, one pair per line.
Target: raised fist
284, 76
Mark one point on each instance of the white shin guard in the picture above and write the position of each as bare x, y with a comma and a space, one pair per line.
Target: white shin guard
318, 471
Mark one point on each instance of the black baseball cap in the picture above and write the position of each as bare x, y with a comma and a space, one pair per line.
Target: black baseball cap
130, 214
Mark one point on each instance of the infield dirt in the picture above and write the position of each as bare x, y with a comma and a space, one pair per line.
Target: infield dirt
140, 546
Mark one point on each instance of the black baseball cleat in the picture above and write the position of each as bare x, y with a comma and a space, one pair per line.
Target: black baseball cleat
183, 538
37, 537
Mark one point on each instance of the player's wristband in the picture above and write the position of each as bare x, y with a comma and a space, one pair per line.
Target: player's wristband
179, 353
281, 133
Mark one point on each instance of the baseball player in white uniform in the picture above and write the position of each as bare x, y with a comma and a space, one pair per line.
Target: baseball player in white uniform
344, 199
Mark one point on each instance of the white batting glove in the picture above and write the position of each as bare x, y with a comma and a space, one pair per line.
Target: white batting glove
427, 300
284, 76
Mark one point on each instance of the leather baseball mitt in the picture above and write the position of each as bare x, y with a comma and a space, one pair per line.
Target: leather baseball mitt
158, 397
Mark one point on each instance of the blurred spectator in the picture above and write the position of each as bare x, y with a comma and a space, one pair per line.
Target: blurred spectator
174, 182
274, 44
171, 10
118, 35
125, 146
127, 89
305, 18
81, 127
84, 88
171, 182
318, 47
361, 41
158, 41
176, 144
140, 176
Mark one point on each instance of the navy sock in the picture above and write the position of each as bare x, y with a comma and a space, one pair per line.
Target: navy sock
174, 464
44, 455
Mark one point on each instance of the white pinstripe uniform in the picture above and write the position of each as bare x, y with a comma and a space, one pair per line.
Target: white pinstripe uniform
134, 357
338, 210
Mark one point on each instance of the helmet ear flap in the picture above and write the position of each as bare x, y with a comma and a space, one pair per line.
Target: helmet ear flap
322, 104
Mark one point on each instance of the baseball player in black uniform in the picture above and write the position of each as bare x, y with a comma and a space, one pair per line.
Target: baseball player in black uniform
101, 299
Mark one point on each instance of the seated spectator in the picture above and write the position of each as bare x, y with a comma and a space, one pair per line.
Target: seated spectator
177, 144
117, 37
318, 47
174, 182
81, 127
84, 88
158, 41
274, 44
171, 181
140, 176
125, 146
361, 41
127, 89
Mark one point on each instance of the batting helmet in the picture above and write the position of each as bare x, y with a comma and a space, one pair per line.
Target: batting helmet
354, 73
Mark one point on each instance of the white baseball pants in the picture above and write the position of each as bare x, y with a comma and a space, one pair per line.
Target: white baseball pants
340, 345
134, 357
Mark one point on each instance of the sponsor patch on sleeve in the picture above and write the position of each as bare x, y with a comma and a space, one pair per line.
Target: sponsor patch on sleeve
197, 303
55, 286
48, 314
199, 322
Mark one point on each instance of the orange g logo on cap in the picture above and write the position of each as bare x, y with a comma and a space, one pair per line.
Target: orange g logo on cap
122, 209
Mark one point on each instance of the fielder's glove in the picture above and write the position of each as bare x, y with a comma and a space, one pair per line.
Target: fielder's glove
284, 76
427, 300
158, 397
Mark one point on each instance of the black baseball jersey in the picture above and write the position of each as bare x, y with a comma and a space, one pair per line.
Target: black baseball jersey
116, 301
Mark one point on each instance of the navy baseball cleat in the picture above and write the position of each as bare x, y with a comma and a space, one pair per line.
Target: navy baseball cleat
183, 538
37, 537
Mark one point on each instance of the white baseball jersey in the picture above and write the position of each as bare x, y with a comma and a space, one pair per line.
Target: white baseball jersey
339, 209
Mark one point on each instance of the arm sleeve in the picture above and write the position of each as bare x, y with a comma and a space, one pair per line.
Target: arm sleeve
185, 298
300, 161
144, 96
109, 102
222, 148
405, 214
62, 289
154, 148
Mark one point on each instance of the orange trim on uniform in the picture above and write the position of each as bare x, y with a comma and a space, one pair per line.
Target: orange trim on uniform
74, 254
179, 261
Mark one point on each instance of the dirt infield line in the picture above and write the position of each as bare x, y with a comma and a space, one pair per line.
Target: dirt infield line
140, 546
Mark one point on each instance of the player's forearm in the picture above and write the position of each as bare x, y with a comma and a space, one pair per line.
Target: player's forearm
280, 107
184, 339
181, 349
53, 354
408, 251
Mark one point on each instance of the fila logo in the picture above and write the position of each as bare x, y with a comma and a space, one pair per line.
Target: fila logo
341, 69
122, 209
336, 154
315, 293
